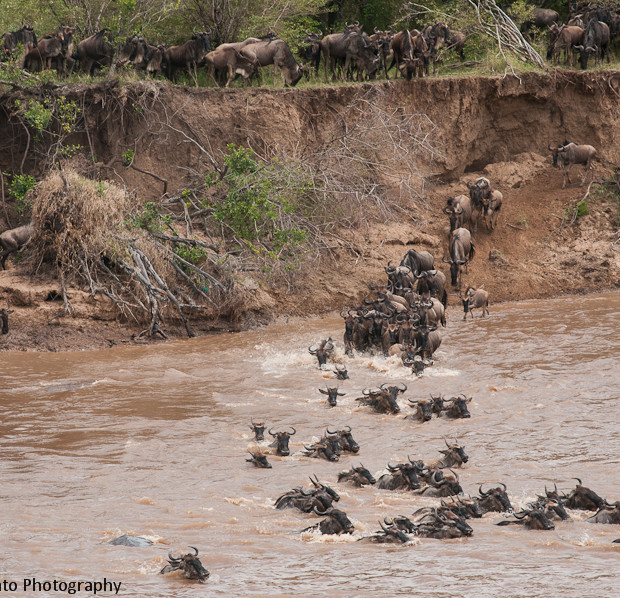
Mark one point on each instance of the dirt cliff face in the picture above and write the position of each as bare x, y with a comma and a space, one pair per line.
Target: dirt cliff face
495, 127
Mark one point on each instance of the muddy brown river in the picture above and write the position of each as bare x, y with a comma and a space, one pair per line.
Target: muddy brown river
152, 441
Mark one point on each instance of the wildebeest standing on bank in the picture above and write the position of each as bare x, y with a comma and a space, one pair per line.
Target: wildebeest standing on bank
571, 153
278, 53
94, 52
188, 55
13, 240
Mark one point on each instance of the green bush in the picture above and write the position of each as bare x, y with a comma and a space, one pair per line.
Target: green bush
19, 187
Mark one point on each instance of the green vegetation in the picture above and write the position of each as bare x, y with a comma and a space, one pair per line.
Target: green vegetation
150, 218
261, 204
19, 187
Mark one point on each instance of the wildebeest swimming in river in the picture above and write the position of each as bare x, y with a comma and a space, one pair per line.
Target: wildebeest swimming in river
128, 540
188, 563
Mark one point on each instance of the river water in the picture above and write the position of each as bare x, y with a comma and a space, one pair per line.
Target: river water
152, 441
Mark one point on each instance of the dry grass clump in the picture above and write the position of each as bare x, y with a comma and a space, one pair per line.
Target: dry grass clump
76, 219
84, 227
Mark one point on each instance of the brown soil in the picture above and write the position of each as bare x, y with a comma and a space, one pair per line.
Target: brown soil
496, 127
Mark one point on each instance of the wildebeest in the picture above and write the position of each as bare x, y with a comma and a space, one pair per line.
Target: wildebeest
382, 400
418, 261
441, 485
427, 341
322, 351
129, 540
567, 38
94, 52
462, 250
606, 514
595, 42
50, 48
424, 410
281, 442
382, 41
583, 498
432, 283
402, 48
188, 55
530, 519
258, 459
540, 17
321, 497
402, 476
495, 499
349, 46
553, 508
456, 42
225, 58
341, 372
440, 524
475, 299
23, 36
332, 394
13, 240
492, 200
464, 507
278, 53
436, 37
570, 154
345, 440
459, 211
4, 318
358, 476
387, 535
453, 456
456, 408
310, 51
190, 565
322, 450
336, 522
258, 428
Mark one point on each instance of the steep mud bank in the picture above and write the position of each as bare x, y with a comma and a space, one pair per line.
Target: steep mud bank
498, 127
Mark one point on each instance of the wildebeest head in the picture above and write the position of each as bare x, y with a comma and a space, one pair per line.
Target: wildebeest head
281, 441
258, 428
409, 473
457, 407
341, 372
319, 486
323, 449
556, 150
259, 459
360, 476
347, 443
190, 565
495, 499
464, 507
553, 508
582, 497
332, 395
531, 519
454, 455
337, 522
402, 523
424, 409
388, 535
322, 351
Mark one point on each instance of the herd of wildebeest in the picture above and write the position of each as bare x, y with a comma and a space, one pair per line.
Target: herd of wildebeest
399, 317
350, 54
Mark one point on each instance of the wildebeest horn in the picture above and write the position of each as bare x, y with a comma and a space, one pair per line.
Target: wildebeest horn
521, 516
404, 389
173, 558
446, 443
577, 480
413, 402
270, 432
504, 486
329, 431
319, 512
293, 432
347, 428
357, 23
483, 493
391, 468
195, 550
311, 350
388, 523
435, 480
